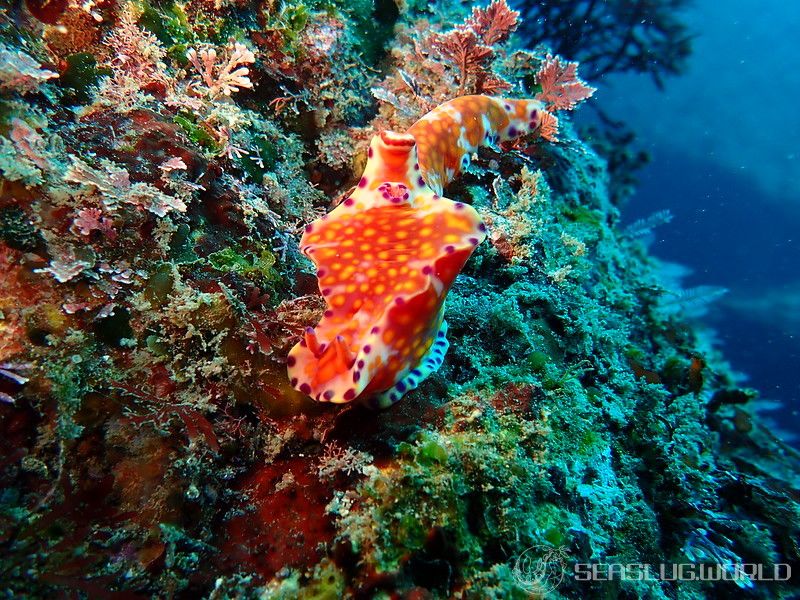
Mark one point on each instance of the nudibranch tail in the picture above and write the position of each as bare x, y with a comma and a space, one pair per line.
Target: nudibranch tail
430, 363
387, 256
449, 134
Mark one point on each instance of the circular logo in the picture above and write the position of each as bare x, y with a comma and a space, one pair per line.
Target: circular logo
540, 570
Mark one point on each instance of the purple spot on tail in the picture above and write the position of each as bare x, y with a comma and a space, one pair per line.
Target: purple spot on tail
328, 394
459, 205
363, 182
305, 388
367, 349
350, 394
291, 361
309, 227
349, 202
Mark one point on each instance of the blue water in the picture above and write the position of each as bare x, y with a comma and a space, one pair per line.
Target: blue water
732, 235
724, 141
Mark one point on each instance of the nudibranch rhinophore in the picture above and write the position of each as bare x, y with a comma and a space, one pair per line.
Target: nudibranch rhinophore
388, 254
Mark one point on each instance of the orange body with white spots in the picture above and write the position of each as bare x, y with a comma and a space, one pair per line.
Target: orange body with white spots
388, 254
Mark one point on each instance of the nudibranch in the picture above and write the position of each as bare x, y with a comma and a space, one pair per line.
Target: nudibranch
387, 255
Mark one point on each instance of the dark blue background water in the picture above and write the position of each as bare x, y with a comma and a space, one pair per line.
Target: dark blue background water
725, 143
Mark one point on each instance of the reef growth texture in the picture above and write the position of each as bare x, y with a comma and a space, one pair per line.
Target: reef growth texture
159, 162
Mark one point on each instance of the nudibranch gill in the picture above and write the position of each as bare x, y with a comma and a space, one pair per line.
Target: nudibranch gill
387, 255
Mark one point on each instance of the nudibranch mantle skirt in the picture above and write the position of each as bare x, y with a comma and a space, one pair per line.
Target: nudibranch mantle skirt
387, 256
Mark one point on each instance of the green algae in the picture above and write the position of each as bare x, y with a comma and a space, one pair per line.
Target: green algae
17, 231
169, 23
254, 265
181, 248
82, 73
264, 161
197, 134
160, 285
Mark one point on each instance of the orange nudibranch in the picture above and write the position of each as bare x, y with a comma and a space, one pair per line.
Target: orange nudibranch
387, 256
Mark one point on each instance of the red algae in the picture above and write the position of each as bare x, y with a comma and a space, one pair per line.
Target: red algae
285, 524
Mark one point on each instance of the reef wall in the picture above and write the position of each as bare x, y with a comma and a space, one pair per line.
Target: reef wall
158, 162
